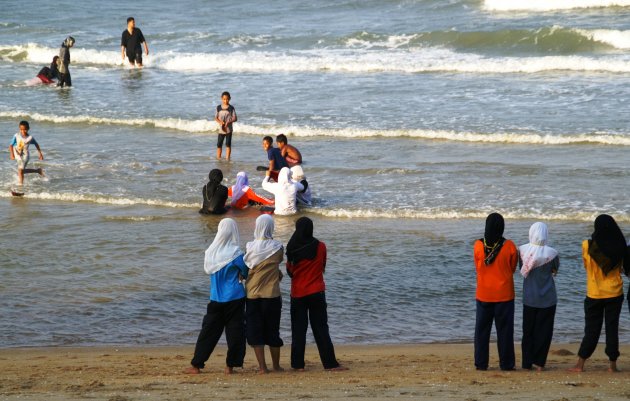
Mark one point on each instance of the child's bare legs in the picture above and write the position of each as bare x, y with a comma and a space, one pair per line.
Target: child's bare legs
228, 153
21, 173
259, 350
20, 176
275, 358
579, 366
219, 153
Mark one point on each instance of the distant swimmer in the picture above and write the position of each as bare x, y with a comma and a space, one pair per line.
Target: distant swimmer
18, 150
225, 116
131, 41
214, 194
64, 62
304, 196
290, 153
243, 195
276, 161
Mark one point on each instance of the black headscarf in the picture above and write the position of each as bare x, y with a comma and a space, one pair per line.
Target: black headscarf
302, 244
215, 178
607, 245
493, 237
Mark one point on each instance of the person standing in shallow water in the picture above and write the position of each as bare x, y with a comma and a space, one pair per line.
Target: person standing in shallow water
603, 258
539, 265
64, 62
264, 302
131, 43
306, 262
224, 263
495, 262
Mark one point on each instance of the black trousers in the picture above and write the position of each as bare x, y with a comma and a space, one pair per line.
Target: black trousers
222, 315
263, 322
596, 312
64, 80
313, 308
537, 334
502, 313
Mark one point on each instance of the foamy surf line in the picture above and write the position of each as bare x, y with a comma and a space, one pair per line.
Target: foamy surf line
420, 60
102, 200
550, 5
205, 126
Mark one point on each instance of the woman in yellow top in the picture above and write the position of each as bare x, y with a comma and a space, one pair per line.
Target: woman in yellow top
603, 258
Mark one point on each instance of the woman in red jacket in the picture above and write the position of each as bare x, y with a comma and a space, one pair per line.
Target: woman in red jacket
306, 262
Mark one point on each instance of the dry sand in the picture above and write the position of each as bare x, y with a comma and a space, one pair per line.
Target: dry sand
406, 372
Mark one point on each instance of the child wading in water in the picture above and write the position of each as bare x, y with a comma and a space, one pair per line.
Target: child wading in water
225, 116
18, 150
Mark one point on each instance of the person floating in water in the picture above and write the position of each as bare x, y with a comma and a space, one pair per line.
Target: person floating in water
18, 150
64, 62
47, 75
214, 194
225, 116
243, 195
290, 153
130, 43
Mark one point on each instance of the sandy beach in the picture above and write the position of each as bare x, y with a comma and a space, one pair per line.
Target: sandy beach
437, 371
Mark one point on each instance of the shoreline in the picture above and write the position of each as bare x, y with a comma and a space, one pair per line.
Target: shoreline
377, 372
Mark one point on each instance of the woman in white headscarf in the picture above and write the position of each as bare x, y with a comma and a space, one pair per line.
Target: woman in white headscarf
304, 196
285, 192
226, 267
264, 302
539, 264
243, 195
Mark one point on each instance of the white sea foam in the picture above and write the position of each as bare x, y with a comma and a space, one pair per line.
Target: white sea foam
418, 60
612, 37
203, 126
103, 199
549, 5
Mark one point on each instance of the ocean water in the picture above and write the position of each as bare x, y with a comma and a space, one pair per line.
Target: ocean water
415, 118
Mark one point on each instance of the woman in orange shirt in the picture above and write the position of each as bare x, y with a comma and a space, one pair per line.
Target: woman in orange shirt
243, 195
495, 262
603, 257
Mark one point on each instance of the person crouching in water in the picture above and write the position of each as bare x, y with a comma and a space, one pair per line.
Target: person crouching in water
495, 262
243, 195
47, 74
304, 196
603, 258
264, 301
306, 262
214, 194
285, 192
226, 310
539, 265
64, 62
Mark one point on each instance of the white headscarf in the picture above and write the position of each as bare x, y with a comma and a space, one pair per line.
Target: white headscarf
297, 173
225, 247
284, 177
536, 253
263, 246
241, 186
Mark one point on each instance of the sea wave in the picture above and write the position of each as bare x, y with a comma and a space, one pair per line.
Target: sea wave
550, 5
420, 60
206, 126
545, 39
334, 212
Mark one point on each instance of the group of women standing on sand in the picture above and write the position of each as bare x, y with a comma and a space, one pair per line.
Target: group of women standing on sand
606, 255
245, 298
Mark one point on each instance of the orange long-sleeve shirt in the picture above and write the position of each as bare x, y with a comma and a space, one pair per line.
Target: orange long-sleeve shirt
495, 282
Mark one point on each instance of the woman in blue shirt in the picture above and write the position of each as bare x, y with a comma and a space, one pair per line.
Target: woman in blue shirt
539, 264
226, 310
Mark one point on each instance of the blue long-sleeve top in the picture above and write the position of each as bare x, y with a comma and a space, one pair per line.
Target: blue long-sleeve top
225, 285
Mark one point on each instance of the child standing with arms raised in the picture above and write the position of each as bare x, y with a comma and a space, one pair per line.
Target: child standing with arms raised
225, 116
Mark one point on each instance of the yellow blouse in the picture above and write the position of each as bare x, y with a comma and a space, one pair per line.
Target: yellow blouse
598, 285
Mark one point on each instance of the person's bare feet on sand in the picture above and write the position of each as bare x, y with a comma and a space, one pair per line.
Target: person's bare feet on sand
613, 367
539, 368
263, 371
579, 366
229, 370
300, 370
192, 371
278, 368
337, 369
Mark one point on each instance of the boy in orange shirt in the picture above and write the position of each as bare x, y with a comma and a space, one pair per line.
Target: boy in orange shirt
495, 261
